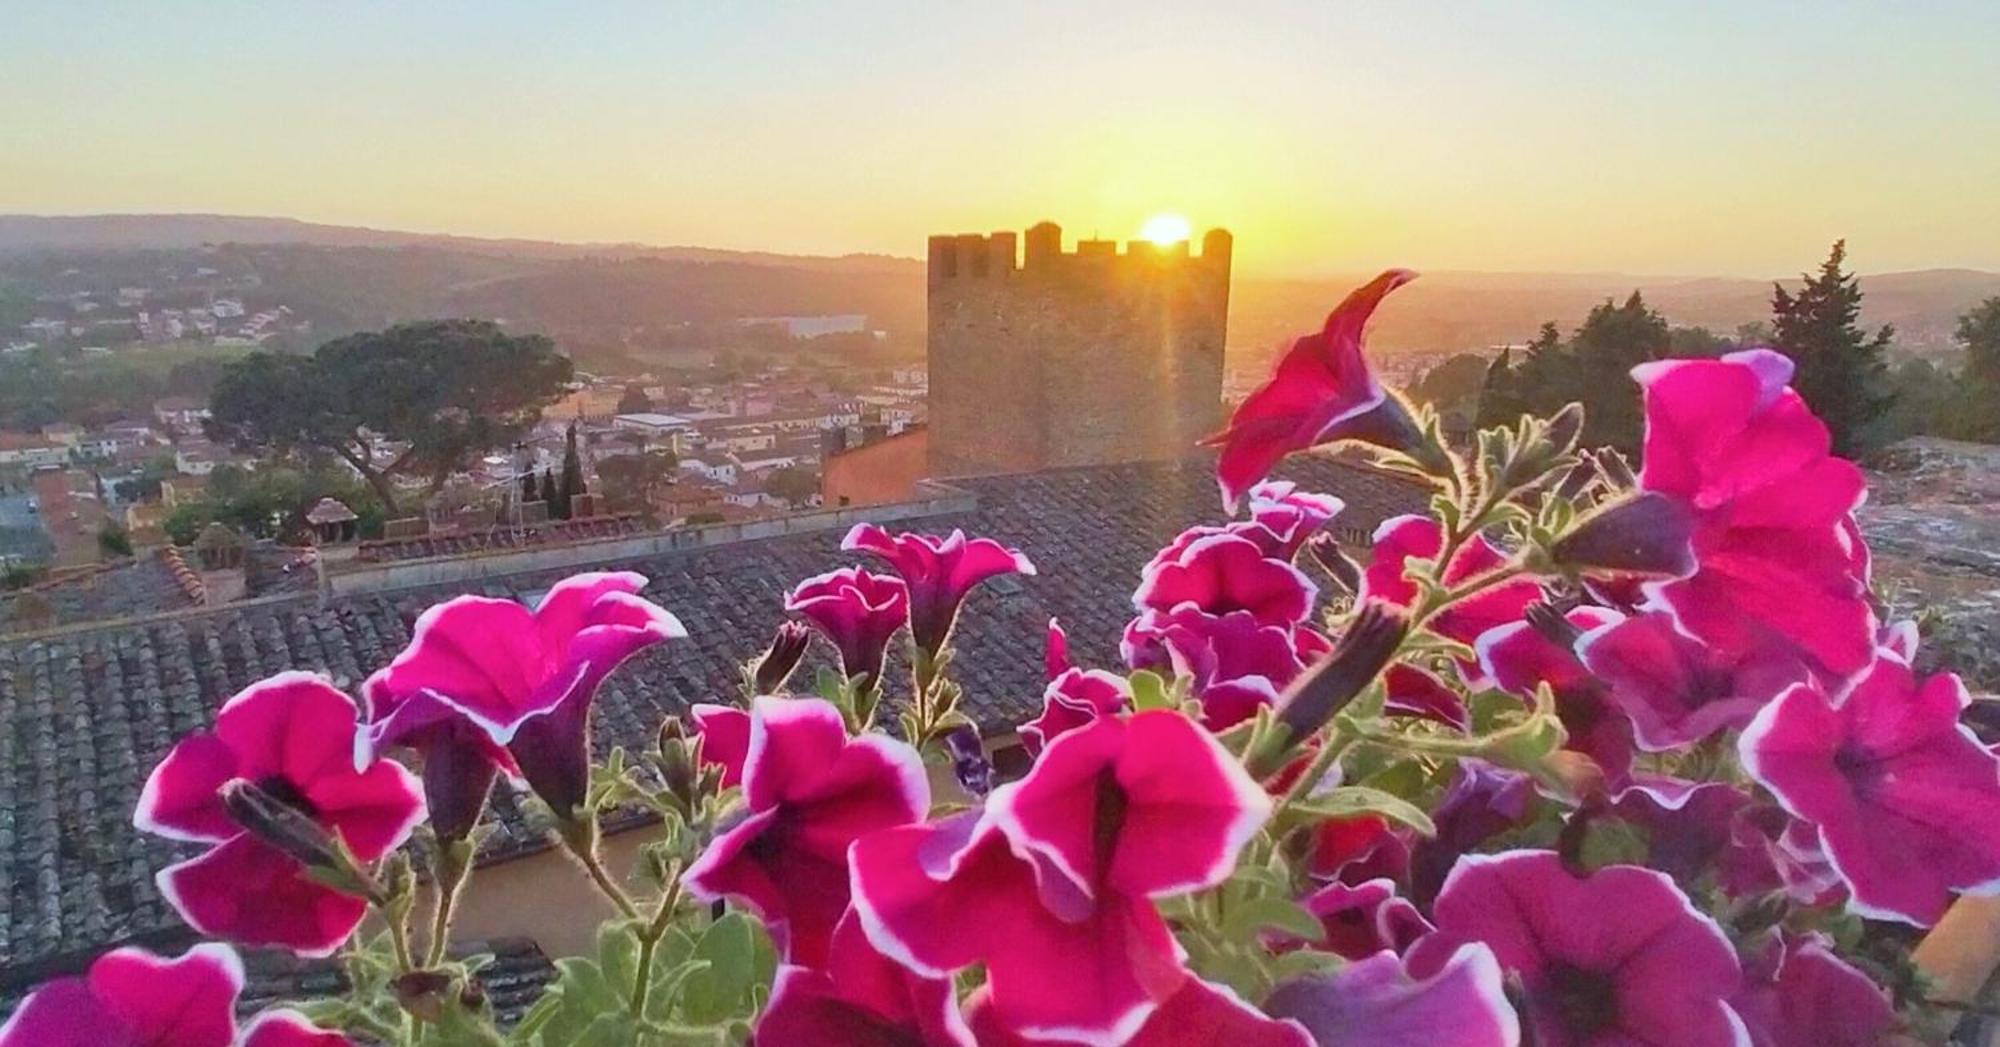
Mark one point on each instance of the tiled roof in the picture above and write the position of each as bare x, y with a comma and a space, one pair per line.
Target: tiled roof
147, 585
85, 714
551, 533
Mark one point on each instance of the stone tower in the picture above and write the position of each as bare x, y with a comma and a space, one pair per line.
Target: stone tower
1078, 358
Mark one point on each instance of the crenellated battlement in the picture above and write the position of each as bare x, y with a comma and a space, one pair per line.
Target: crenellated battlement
972, 256
1041, 357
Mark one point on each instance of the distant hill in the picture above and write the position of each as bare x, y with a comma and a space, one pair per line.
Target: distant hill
347, 277
114, 232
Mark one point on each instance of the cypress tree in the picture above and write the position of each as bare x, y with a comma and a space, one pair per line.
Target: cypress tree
549, 494
572, 472
1841, 371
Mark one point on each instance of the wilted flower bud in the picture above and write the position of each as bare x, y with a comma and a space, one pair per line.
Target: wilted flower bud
1647, 534
1578, 479
1565, 427
1364, 649
421, 993
969, 763
1615, 468
1325, 551
678, 760
771, 669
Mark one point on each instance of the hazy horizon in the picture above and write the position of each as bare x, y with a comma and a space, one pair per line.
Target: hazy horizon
1558, 137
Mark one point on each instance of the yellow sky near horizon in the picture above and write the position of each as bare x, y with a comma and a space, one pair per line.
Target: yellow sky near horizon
1329, 137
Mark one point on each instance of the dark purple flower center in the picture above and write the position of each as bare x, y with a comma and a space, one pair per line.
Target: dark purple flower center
1586, 1001
281, 789
1860, 767
1108, 821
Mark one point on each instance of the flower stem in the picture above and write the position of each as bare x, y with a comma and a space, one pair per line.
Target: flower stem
580, 837
454, 866
649, 942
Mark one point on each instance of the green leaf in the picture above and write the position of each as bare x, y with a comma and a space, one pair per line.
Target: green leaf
1150, 691
728, 949
1351, 800
1246, 919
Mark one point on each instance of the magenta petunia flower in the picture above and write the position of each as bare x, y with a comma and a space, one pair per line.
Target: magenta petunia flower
1403, 538
1903, 796
1289, 515
725, 739
1074, 699
1618, 956
292, 737
939, 573
1481, 802
1188, 641
1321, 392
860, 998
1777, 557
1360, 920
1417, 692
525, 678
1051, 885
1199, 1014
1690, 826
1521, 656
287, 1028
1356, 849
1055, 653
1678, 690
1223, 573
809, 790
133, 998
858, 611
1376, 1002
1797, 993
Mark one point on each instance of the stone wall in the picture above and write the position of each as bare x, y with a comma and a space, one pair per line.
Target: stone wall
1089, 357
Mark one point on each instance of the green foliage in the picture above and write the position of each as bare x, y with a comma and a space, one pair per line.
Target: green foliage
50, 385
271, 502
1841, 371
1593, 368
707, 980
113, 540
634, 401
448, 389
629, 481
795, 485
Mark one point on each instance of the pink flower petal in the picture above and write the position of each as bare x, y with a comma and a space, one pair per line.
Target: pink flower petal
1198, 1015
1223, 573
251, 894
1364, 919
1802, 995
938, 571
133, 997
1678, 690
64, 1013
1073, 699
1377, 1003
1903, 796
485, 657
725, 739
287, 1028
1320, 392
182, 798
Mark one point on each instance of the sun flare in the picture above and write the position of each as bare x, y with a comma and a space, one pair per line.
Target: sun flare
1164, 229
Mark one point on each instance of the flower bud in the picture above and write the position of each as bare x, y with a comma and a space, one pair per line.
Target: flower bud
1577, 480
288, 829
1645, 534
1550, 622
1615, 468
421, 993
1564, 428
1325, 551
771, 669
1320, 692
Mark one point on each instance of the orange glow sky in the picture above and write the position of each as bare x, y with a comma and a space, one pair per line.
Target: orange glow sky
1734, 139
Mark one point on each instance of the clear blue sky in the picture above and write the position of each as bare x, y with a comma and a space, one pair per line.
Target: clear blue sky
1735, 138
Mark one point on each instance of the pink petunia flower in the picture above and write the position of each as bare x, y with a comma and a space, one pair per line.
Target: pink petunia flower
858, 611
1224, 573
1418, 692
1051, 885
1618, 956
1055, 653
292, 738
1690, 826
527, 679
1289, 515
1360, 920
860, 998
1521, 656
1376, 1002
287, 1028
133, 998
1321, 392
1199, 1014
1903, 796
1777, 557
1359, 848
1678, 690
1072, 700
1797, 993
1401, 539
939, 573
809, 790
1481, 802
725, 739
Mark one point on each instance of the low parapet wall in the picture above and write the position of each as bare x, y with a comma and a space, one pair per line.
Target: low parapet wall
934, 500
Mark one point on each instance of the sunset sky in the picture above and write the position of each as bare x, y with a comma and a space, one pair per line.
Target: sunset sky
1713, 139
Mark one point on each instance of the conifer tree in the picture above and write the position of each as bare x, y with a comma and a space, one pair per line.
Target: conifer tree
572, 473
550, 496
1841, 371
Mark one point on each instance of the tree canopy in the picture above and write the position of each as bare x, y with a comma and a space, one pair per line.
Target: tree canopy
442, 391
1841, 371
1592, 368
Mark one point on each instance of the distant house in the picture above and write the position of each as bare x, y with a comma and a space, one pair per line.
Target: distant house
722, 472
180, 413
31, 451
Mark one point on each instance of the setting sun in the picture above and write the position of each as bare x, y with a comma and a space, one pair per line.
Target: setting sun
1164, 229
